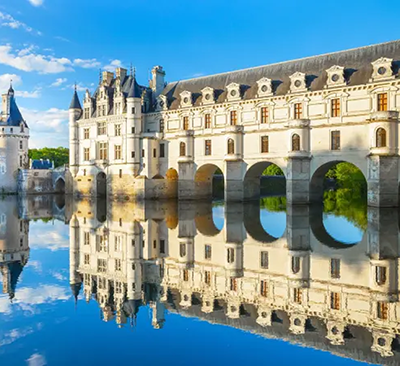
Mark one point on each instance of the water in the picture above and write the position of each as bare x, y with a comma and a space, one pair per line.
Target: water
190, 284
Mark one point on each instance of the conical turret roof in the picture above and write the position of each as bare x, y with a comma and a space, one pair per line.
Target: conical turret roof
75, 103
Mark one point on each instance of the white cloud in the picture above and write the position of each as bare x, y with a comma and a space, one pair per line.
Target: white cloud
36, 2
15, 334
62, 39
6, 20
36, 359
5, 81
59, 82
87, 64
113, 65
25, 94
26, 60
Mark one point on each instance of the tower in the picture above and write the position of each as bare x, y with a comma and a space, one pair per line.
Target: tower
75, 112
14, 135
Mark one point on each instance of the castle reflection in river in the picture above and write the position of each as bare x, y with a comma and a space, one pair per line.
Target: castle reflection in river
303, 287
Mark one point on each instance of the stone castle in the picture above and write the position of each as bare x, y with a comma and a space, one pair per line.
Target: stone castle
166, 140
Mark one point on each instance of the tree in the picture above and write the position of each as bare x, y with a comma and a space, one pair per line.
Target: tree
273, 170
60, 155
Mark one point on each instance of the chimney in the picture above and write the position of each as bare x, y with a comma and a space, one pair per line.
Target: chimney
120, 73
157, 83
107, 77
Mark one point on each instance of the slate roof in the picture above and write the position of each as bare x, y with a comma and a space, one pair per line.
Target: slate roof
134, 91
41, 164
357, 64
75, 103
15, 117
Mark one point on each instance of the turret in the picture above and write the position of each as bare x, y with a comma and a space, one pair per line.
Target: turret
75, 111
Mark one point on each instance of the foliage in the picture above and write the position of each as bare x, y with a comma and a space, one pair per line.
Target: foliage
347, 175
274, 204
273, 170
59, 155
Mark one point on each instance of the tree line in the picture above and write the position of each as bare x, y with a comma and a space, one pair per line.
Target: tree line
60, 155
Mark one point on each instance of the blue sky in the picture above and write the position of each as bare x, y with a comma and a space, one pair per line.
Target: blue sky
47, 45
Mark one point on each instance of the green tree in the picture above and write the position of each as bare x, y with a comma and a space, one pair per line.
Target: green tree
273, 170
60, 155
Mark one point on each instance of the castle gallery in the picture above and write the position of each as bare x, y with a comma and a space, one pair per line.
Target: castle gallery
167, 140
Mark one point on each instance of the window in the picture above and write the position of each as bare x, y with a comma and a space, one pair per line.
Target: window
231, 146
102, 283
87, 111
335, 300
86, 279
133, 130
382, 310
154, 153
154, 244
207, 252
233, 118
233, 284
264, 289
335, 140
380, 137
295, 265
264, 115
86, 153
382, 102
20, 162
118, 287
182, 250
230, 255
185, 275
162, 125
380, 275
335, 107
118, 265
101, 265
298, 111
185, 123
162, 246
86, 133
264, 144
102, 243
207, 147
207, 277
207, 121
102, 149
335, 268
22, 128
87, 259
101, 128
21, 145
118, 244
86, 238
264, 262
297, 295
182, 149
143, 153
295, 142
117, 129
120, 175
162, 150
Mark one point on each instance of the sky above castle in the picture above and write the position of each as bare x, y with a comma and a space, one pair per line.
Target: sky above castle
48, 45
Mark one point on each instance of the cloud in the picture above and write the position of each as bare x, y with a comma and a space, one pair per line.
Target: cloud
6, 20
63, 39
87, 64
59, 82
27, 60
113, 65
48, 128
25, 94
36, 2
36, 359
16, 81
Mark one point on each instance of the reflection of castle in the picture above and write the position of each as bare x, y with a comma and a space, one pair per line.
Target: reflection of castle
304, 287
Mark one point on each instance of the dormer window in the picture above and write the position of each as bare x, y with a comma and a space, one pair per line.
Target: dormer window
335, 76
208, 96
298, 82
233, 91
162, 103
382, 69
264, 87
186, 99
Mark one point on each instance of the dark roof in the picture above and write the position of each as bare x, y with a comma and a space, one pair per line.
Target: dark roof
75, 103
14, 115
41, 164
357, 64
134, 89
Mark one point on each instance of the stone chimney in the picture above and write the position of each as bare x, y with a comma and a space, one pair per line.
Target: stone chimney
107, 77
157, 82
120, 73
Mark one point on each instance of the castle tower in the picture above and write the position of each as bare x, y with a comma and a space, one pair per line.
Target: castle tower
75, 112
14, 135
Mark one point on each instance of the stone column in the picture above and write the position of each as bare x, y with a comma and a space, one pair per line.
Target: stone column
234, 186
298, 180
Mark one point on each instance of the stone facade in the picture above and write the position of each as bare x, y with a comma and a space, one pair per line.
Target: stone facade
304, 116
303, 286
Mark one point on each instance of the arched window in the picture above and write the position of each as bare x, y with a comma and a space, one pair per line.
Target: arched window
182, 250
380, 137
182, 149
295, 142
231, 146
295, 265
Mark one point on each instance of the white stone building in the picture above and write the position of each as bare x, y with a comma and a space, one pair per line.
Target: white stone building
167, 140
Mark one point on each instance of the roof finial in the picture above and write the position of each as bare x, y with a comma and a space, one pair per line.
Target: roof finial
100, 76
134, 72
75, 86
131, 69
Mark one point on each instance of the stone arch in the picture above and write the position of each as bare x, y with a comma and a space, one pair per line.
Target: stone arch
318, 178
252, 179
204, 220
60, 185
171, 177
101, 184
204, 180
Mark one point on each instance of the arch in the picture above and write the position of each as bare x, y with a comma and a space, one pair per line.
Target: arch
231, 146
172, 174
182, 149
171, 177
207, 183
60, 185
253, 189
101, 184
381, 140
295, 142
204, 219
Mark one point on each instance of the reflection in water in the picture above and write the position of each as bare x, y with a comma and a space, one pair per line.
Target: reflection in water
264, 268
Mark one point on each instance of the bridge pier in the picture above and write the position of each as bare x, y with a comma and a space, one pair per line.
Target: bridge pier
298, 180
234, 185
